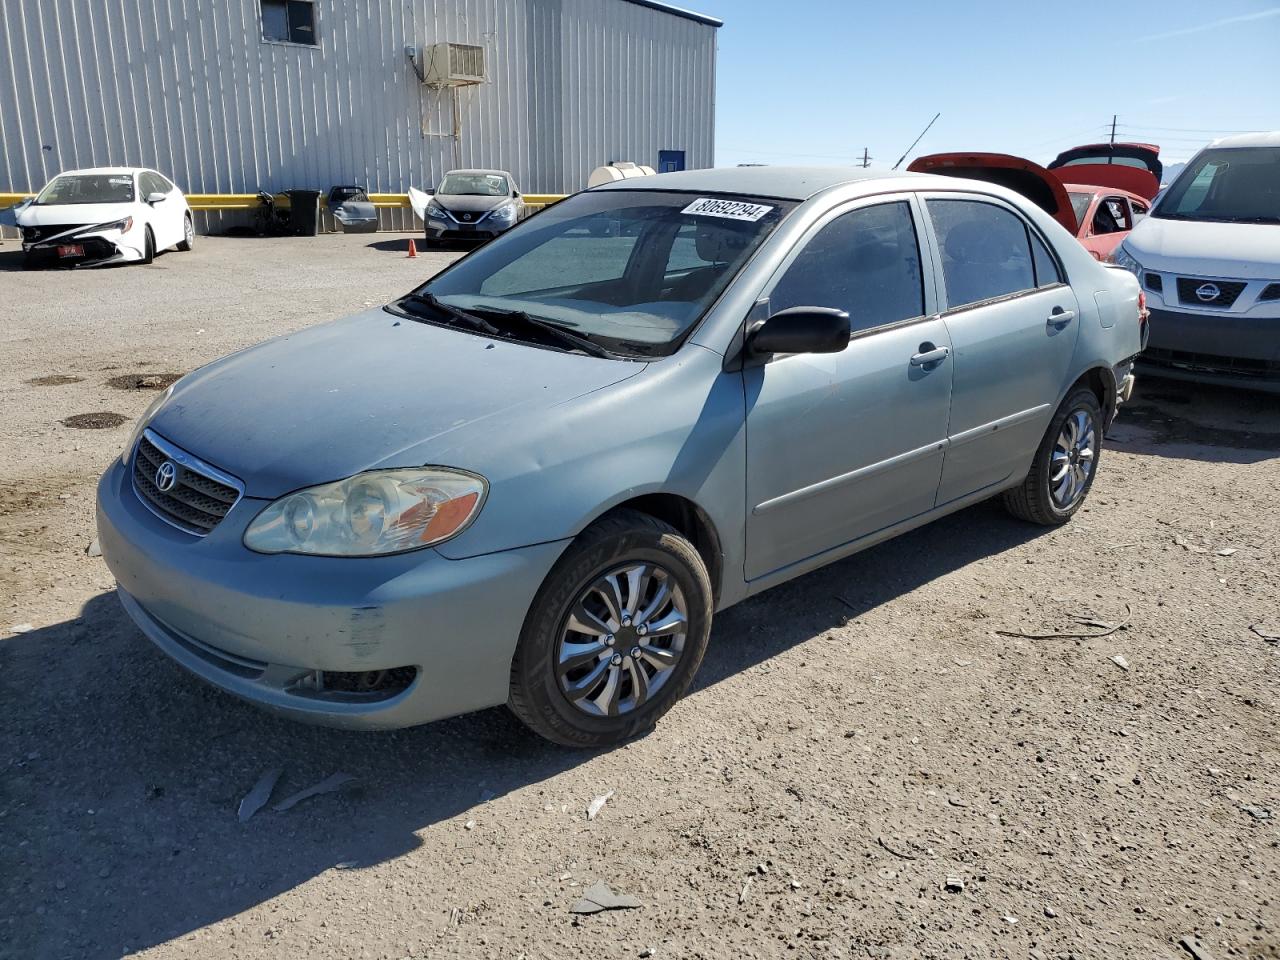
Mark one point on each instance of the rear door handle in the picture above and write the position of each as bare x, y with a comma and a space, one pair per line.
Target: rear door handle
1060, 318
929, 355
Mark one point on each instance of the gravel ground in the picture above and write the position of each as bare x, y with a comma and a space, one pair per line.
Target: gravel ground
854, 739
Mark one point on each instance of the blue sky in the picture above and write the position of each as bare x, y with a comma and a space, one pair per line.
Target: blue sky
815, 81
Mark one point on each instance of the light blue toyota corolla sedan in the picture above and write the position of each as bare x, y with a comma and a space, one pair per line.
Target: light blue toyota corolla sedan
534, 479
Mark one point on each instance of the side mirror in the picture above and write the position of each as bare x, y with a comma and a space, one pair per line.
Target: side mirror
800, 330
154, 198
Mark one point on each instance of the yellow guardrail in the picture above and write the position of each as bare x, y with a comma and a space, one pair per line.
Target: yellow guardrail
249, 201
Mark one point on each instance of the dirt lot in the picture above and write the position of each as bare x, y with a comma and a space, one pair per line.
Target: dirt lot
854, 739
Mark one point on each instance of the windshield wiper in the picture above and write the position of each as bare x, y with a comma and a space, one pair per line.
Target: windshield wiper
554, 330
458, 315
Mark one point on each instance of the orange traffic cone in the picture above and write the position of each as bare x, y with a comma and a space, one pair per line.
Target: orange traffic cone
413, 249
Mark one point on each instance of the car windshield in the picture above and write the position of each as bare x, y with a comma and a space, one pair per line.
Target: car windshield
632, 270
1234, 185
474, 185
1080, 204
88, 188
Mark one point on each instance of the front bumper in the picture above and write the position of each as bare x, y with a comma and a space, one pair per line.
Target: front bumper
98, 251
257, 626
1235, 349
450, 230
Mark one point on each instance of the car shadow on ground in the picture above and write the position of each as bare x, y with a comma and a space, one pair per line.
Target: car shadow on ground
124, 774
1180, 420
11, 260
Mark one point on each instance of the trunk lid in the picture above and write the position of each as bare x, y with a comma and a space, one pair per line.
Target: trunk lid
1134, 167
1022, 176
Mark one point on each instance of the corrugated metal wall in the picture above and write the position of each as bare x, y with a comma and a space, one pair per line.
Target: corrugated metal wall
189, 87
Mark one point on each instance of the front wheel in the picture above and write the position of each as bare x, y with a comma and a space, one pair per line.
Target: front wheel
1066, 462
148, 246
188, 235
615, 634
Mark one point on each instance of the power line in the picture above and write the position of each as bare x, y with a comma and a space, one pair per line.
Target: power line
1145, 126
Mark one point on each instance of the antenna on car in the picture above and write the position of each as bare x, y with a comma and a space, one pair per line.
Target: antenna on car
917, 139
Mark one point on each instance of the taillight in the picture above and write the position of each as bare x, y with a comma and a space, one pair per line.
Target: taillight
1143, 316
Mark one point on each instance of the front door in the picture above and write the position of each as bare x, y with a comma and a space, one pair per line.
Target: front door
842, 445
1013, 325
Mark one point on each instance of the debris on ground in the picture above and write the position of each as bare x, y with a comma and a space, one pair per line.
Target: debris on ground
103, 420
257, 798
596, 805
599, 897
1120, 661
93, 549
1226, 551
1258, 813
1189, 547
896, 852
953, 884
1271, 636
746, 890
469, 825
1195, 948
1105, 629
328, 785
21, 628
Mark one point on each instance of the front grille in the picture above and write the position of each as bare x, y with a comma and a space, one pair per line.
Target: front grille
36, 234
1272, 292
1211, 363
1154, 282
1228, 290
196, 503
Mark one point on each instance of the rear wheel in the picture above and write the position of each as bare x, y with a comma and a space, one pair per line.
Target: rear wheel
188, 235
1065, 464
615, 634
148, 247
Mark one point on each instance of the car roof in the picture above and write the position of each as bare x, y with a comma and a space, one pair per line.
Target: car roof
477, 171
104, 171
1271, 139
782, 183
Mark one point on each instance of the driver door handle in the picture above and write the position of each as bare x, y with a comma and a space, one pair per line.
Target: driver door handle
929, 355
1060, 318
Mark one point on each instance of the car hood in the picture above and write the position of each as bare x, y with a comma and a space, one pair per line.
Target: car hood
1246, 251
373, 390
77, 213
467, 203
1016, 173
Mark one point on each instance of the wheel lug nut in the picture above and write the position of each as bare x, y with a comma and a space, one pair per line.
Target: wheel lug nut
635, 652
608, 641
642, 630
616, 659
626, 621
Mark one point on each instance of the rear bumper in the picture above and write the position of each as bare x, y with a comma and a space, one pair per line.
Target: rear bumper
257, 626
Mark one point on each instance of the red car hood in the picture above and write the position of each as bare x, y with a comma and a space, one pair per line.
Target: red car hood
1022, 176
1112, 165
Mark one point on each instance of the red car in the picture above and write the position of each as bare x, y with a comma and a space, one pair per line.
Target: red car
1097, 191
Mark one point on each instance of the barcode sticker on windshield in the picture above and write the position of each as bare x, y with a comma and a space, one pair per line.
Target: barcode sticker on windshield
729, 209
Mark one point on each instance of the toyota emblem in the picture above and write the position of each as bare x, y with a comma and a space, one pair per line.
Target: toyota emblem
1208, 291
166, 476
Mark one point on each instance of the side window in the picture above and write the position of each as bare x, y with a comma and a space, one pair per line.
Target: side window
985, 253
1112, 216
1047, 272
865, 262
289, 21
149, 183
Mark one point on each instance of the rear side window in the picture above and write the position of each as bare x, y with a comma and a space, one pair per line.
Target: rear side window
865, 262
1047, 272
985, 251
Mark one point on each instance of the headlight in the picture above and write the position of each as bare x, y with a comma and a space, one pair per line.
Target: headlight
1122, 258
124, 226
505, 212
435, 210
141, 424
373, 513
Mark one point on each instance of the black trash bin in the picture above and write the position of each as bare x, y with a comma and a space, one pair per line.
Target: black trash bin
304, 212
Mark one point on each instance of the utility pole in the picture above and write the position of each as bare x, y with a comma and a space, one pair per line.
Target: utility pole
866, 159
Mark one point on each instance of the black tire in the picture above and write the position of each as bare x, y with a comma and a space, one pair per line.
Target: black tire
1032, 500
29, 262
621, 537
188, 242
149, 247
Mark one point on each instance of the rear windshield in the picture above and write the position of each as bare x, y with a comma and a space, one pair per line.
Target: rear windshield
1080, 204
634, 269
474, 185
1235, 185
88, 188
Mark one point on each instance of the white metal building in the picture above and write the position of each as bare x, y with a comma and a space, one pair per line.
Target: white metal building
233, 96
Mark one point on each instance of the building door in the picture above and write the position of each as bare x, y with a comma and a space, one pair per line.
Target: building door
669, 161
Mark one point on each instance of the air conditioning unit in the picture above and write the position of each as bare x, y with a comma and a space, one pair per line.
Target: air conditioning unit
452, 64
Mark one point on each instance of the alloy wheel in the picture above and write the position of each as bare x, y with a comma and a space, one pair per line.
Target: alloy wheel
622, 640
1072, 460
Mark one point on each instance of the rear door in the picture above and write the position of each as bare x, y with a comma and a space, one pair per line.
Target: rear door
1012, 321
842, 445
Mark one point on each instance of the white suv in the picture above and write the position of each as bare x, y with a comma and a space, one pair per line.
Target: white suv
1208, 257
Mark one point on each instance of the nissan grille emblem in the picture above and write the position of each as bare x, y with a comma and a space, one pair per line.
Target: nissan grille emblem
1208, 291
466, 216
166, 476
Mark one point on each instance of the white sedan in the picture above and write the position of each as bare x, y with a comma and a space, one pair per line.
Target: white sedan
104, 215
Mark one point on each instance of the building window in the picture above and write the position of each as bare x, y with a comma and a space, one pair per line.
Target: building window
289, 21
